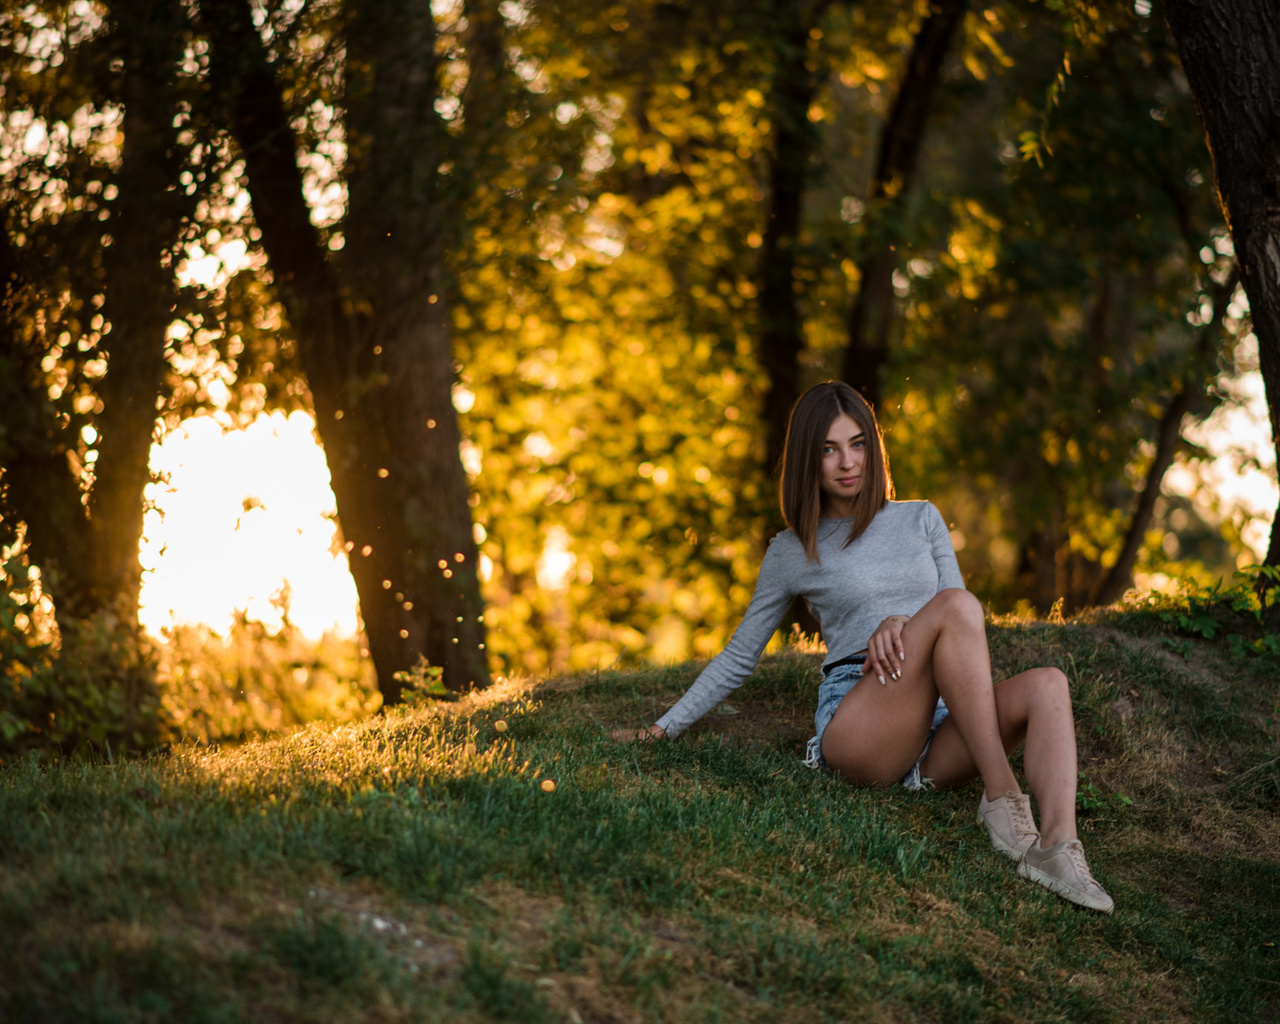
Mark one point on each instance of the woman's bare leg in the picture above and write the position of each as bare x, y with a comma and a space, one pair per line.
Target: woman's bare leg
879, 730
1034, 707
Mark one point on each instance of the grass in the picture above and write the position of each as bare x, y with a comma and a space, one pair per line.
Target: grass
412, 867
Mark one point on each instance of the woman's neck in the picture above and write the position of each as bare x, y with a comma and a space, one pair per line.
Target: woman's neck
836, 510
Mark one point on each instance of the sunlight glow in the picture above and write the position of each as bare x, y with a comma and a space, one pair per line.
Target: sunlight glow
1240, 472
557, 562
244, 520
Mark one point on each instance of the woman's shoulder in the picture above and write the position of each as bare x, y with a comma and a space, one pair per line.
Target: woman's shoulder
913, 509
785, 543
783, 558
917, 516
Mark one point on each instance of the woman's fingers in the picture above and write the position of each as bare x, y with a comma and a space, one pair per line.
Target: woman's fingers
879, 660
885, 653
873, 667
896, 648
649, 732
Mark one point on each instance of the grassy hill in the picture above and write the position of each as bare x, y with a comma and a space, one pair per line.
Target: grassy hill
416, 867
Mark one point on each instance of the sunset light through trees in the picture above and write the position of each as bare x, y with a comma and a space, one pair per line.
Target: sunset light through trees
465, 332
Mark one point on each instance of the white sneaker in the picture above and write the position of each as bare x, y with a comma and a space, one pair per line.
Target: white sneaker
1062, 868
1008, 819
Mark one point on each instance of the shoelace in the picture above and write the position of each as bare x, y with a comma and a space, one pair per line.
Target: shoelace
1075, 853
1020, 812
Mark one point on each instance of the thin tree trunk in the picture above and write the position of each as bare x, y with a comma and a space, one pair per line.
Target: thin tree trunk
1187, 391
1230, 51
140, 295
794, 142
1190, 386
39, 487
781, 342
1111, 587
872, 312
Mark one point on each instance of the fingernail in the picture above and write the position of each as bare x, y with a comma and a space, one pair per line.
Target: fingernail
881, 678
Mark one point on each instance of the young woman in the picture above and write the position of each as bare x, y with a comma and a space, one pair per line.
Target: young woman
907, 696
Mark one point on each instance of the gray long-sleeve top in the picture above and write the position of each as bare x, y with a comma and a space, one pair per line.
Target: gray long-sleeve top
898, 564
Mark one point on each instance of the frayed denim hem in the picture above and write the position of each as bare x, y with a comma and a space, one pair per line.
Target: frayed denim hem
913, 780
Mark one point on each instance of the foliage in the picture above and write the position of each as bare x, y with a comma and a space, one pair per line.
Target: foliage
1030, 376
252, 681
88, 688
98, 687
1233, 614
422, 684
608, 352
1063, 353
412, 865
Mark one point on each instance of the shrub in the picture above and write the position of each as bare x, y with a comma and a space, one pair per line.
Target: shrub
87, 684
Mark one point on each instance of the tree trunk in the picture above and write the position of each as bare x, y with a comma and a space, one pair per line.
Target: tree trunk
1230, 51
373, 328
1111, 587
89, 557
38, 486
794, 142
140, 295
871, 315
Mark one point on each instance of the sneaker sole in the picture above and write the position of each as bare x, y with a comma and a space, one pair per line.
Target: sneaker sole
1055, 885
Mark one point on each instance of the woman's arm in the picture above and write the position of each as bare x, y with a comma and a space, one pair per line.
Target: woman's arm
944, 552
886, 650
769, 603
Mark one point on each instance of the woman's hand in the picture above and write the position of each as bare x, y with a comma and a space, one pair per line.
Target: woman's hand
645, 735
885, 651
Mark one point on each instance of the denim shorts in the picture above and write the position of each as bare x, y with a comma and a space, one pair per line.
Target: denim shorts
836, 684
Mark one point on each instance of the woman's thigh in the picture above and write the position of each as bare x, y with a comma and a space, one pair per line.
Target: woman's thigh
879, 730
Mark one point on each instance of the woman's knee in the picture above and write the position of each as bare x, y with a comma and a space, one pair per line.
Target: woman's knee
1030, 693
958, 604
1052, 680
1048, 687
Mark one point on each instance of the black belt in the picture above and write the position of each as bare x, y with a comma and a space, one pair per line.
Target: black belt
853, 659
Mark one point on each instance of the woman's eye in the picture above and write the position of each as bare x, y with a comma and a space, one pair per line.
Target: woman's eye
859, 445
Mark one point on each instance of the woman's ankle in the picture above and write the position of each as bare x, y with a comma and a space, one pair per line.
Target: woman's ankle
1053, 832
1000, 785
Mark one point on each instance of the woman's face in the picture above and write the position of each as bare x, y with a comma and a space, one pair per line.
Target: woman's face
844, 453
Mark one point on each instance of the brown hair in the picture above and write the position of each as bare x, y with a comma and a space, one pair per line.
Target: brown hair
800, 490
